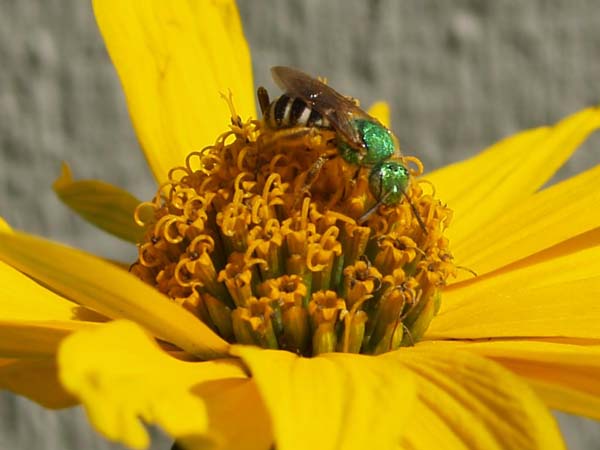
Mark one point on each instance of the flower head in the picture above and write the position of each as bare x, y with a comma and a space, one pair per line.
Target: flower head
239, 237
258, 283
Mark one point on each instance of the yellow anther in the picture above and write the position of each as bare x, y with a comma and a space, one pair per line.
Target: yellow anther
202, 244
331, 234
173, 172
415, 172
138, 213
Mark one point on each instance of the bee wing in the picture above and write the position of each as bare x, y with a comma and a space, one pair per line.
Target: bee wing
339, 110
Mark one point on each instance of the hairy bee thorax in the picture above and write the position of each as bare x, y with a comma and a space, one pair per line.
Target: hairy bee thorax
237, 241
378, 140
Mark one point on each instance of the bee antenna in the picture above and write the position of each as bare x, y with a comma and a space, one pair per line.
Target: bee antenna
263, 99
466, 269
416, 213
366, 215
370, 211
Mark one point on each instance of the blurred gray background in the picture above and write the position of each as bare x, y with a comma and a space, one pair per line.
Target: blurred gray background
459, 75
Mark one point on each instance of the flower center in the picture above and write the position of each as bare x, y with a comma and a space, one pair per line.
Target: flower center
266, 237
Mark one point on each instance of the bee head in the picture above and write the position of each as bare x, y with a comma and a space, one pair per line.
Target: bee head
388, 181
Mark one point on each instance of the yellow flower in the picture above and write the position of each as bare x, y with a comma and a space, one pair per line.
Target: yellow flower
521, 337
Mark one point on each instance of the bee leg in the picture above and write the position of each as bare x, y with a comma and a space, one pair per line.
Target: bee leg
311, 176
355, 177
263, 99
314, 171
371, 210
285, 138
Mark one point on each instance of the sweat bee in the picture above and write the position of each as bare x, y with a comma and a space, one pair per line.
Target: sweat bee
361, 140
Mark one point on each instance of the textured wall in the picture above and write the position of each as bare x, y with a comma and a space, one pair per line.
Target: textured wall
459, 75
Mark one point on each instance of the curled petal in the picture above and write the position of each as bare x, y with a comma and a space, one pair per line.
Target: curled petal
122, 378
106, 206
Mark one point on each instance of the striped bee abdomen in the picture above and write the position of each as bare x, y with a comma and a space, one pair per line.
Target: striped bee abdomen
288, 112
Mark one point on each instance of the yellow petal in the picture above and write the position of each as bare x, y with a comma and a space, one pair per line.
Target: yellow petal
483, 188
237, 416
553, 293
333, 401
564, 375
174, 60
547, 218
566, 398
33, 320
35, 339
109, 290
122, 378
4, 227
22, 299
108, 207
381, 111
36, 379
468, 402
